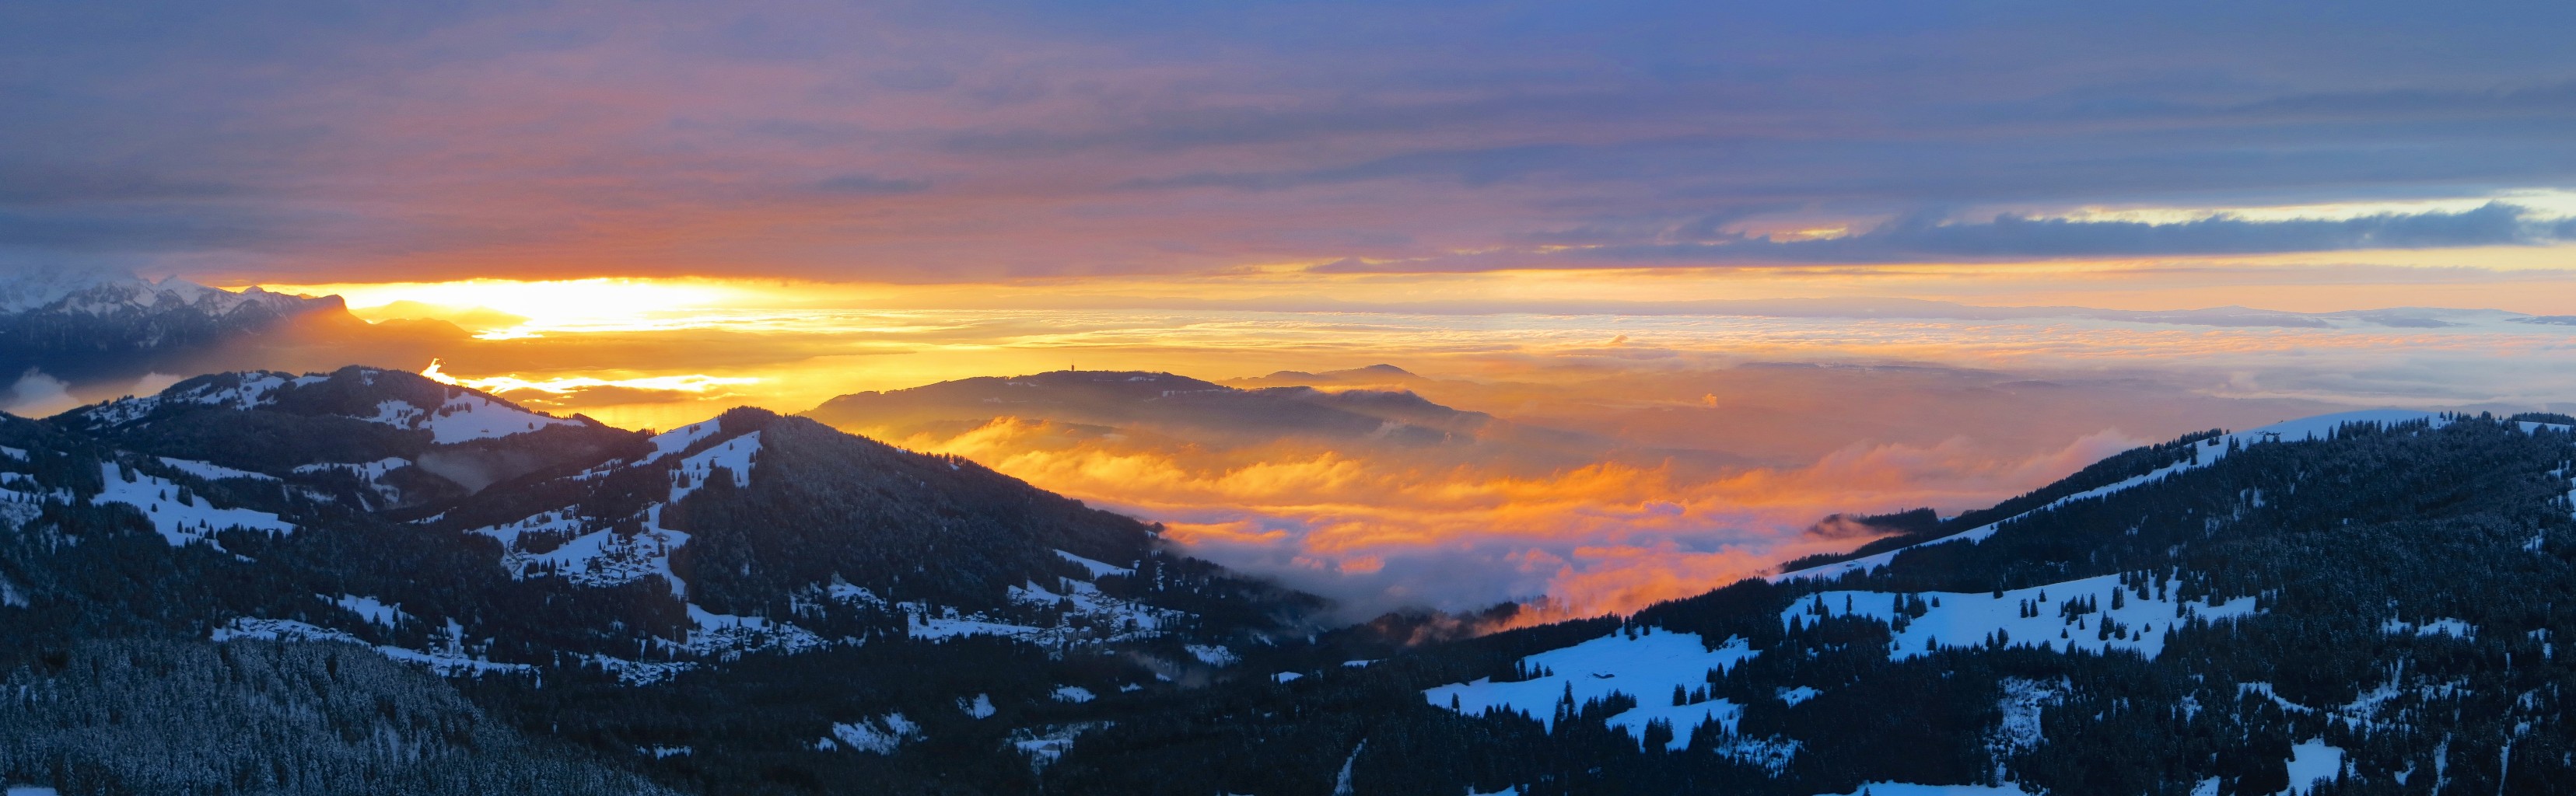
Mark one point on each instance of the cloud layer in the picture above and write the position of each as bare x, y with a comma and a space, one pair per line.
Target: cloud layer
927, 142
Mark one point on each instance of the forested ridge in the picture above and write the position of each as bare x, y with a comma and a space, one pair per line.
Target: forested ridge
426, 590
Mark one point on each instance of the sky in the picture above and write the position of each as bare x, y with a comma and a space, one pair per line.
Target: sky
1575, 215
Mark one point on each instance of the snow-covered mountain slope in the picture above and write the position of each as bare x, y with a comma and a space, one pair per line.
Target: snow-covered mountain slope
749, 554
107, 295
2354, 604
2322, 606
376, 439
79, 325
450, 414
570, 501
2202, 453
1643, 667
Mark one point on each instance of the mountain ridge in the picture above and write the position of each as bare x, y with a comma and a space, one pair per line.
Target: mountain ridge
759, 604
2325, 615
595, 560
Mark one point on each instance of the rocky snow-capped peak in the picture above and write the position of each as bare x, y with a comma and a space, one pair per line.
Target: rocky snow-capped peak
105, 295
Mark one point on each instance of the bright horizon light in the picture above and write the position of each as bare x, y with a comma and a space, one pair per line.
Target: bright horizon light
549, 304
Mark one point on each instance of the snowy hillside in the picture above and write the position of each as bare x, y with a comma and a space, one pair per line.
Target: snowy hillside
2204, 454
2354, 604
450, 414
2325, 606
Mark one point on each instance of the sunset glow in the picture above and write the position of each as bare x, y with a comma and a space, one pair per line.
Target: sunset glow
1759, 265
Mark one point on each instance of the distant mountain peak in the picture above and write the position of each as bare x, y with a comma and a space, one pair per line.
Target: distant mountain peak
90, 326
102, 294
1380, 374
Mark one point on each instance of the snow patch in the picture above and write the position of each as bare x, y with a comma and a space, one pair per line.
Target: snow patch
372, 610
445, 664
601, 556
676, 440
735, 455
728, 637
638, 673
2141, 621
1681, 719
1646, 667
925, 622
879, 735
211, 471
1911, 789
1771, 754
1098, 569
278, 630
369, 473
2445, 626
854, 595
180, 523
2020, 730
1122, 620
466, 417
1213, 654
1046, 747
2311, 763
606, 557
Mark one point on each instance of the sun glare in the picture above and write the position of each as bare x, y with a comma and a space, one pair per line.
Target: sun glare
551, 304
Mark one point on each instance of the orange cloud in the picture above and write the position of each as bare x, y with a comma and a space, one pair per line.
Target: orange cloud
1374, 526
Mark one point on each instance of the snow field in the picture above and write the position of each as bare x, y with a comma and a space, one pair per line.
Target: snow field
179, 523
734, 455
2311, 763
1965, 619
604, 557
1120, 619
1646, 667
1098, 569
1125, 619
679, 439
372, 610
